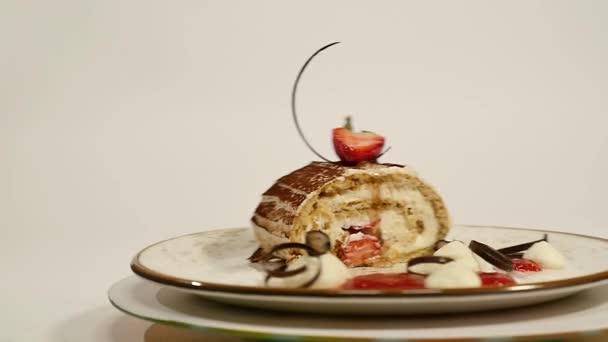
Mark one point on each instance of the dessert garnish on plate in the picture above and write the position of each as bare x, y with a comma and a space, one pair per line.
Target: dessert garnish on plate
315, 268
456, 265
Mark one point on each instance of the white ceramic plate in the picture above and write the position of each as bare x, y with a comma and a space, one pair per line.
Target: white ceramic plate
578, 318
214, 265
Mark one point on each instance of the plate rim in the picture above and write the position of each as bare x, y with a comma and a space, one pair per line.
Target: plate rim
141, 270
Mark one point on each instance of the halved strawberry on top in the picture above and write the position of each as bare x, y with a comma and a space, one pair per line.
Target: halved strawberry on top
354, 147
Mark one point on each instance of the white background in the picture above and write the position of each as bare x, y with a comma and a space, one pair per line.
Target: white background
126, 122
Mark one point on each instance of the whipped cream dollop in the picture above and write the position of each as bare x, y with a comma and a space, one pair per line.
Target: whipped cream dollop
460, 273
455, 274
459, 251
333, 273
484, 266
545, 255
455, 250
425, 268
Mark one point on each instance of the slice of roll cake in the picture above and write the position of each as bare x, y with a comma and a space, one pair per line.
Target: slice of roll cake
375, 214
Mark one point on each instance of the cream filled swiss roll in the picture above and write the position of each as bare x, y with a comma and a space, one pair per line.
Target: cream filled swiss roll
374, 214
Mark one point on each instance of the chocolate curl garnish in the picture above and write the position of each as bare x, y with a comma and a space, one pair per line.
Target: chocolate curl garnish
268, 262
293, 101
317, 244
522, 247
491, 255
257, 255
515, 255
318, 241
284, 273
314, 279
287, 245
384, 152
440, 243
427, 260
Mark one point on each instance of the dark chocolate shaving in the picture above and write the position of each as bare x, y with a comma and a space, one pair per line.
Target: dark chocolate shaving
318, 242
293, 101
440, 243
287, 245
491, 255
384, 152
427, 260
273, 264
432, 259
522, 247
283, 272
257, 255
516, 255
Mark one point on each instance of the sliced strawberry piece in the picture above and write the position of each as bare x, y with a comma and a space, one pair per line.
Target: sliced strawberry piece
378, 281
525, 265
496, 279
354, 147
357, 252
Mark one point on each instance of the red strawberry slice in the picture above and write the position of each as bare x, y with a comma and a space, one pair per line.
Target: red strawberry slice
354, 147
357, 252
496, 279
379, 281
525, 265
